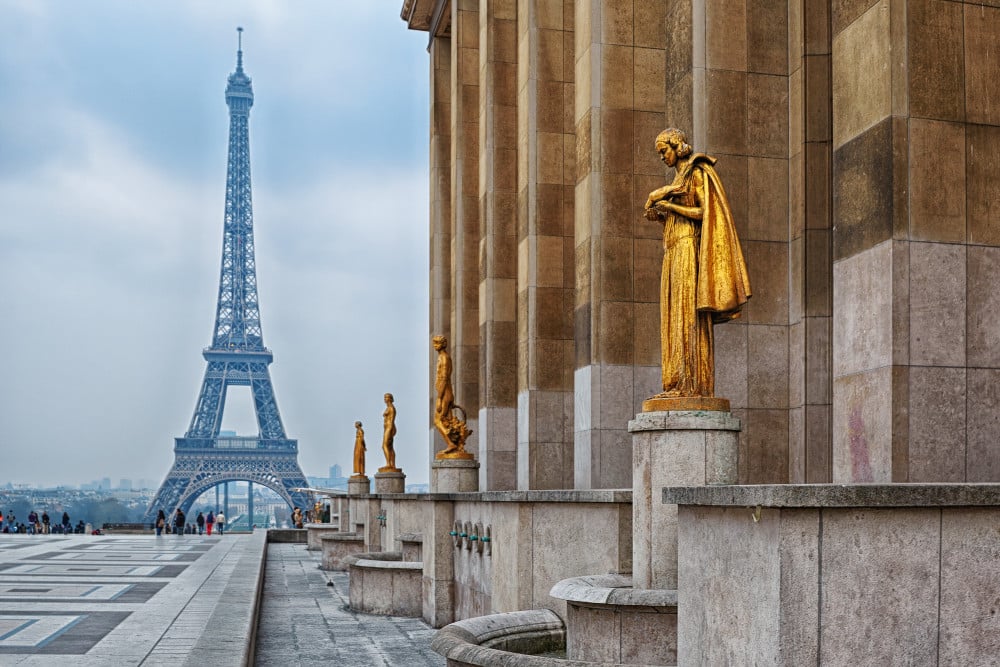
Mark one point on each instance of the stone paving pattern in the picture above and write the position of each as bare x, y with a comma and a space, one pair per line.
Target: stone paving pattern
303, 621
98, 601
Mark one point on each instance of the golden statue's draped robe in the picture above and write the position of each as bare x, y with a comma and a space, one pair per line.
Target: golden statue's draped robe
704, 279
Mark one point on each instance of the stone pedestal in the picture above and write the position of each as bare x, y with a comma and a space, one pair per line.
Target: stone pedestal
359, 485
454, 475
677, 448
390, 482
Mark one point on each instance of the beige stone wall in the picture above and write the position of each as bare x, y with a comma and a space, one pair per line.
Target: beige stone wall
915, 140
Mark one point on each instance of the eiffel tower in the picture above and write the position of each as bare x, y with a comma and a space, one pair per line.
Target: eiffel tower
237, 357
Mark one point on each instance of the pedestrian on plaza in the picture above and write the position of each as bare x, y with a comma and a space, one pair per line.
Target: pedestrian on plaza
161, 522
220, 522
201, 523
179, 521
65, 523
12, 522
45, 522
32, 521
209, 522
1, 521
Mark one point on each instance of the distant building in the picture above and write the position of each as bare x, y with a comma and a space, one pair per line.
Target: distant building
125, 484
336, 471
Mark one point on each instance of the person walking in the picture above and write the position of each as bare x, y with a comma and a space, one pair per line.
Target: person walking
161, 522
32, 521
220, 522
179, 521
45, 522
209, 522
200, 520
65, 523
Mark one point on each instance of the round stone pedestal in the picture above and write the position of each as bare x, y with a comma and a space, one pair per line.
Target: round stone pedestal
358, 485
454, 475
390, 482
676, 448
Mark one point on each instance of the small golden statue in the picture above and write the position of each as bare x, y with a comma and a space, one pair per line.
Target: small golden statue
359, 452
704, 277
389, 435
452, 428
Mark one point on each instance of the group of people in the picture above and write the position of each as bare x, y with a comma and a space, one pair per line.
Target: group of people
38, 524
202, 524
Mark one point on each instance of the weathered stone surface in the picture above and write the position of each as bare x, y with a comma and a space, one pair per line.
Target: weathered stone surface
836, 495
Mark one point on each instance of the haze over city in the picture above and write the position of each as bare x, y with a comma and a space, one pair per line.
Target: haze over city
113, 143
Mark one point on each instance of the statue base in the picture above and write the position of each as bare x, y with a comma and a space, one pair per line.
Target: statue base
673, 448
660, 403
459, 455
390, 481
358, 485
454, 475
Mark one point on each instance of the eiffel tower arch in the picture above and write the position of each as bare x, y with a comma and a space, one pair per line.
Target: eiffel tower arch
203, 458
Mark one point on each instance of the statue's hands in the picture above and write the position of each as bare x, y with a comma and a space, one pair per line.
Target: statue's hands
652, 215
664, 206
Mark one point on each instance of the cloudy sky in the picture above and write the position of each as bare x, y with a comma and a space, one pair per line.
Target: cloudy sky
113, 140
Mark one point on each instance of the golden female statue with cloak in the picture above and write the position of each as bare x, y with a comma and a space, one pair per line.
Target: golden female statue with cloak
704, 276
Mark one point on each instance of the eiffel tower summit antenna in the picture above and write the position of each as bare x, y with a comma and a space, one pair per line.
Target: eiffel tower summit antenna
204, 459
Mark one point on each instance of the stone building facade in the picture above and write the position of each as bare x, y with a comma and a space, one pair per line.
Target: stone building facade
859, 143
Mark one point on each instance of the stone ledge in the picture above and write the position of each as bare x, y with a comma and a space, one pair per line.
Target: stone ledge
234, 616
373, 564
539, 496
612, 589
836, 495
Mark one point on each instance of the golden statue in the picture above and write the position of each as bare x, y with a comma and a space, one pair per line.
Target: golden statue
452, 428
388, 435
359, 451
704, 276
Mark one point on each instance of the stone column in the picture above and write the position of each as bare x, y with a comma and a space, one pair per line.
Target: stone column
545, 274
677, 448
741, 117
810, 383
916, 247
620, 69
464, 340
440, 211
498, 244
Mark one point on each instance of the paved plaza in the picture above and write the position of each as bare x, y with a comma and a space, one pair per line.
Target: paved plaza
303, 621
86, 600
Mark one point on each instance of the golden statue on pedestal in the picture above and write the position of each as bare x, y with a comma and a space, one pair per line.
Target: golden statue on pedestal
704, 277
359, 452
452, 428
389, 435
